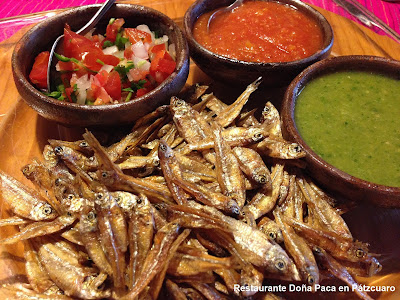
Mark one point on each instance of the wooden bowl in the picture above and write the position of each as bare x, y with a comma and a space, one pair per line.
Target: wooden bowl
234, 71
41, 37
330, 177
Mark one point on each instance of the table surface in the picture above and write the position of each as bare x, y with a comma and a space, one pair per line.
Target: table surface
23, 135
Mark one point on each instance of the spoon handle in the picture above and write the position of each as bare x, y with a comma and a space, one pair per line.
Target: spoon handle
223, 10
366, 17
96, 18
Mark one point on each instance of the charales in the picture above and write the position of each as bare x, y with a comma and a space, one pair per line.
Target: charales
198, 198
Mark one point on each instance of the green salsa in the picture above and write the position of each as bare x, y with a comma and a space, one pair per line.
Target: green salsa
352, 121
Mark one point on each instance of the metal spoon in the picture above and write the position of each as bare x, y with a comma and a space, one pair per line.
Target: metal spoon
223, 10
85, 29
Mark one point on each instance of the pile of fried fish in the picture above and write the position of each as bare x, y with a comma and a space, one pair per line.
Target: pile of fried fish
200, 198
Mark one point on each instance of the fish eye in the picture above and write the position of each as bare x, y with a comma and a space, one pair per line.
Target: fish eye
258, 136
139, 200
91, 159
234, 208
163, 147
310, 280
156, 162
26, 171
180, 102
83, 144
272, 235
280, 264
99, 196
261, 179
360, 253
47, 210
57, 181
70, 197
104, 174
91, 215
266, 109
317, 250
296, 148
58, 150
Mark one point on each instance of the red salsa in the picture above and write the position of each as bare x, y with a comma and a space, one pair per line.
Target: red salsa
260, 31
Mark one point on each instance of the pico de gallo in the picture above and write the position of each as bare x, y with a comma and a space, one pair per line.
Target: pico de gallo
117, 67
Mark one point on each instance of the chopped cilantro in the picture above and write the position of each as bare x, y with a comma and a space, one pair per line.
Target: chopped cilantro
57, 94
107, 44
120, 41
156, 34
100, 62
123, 71
66, 59
128, 97
138, 85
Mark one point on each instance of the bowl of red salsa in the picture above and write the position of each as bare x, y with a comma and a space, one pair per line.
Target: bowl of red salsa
268, 38
135, 60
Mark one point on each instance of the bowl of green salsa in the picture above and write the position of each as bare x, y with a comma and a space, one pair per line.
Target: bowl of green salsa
345, 112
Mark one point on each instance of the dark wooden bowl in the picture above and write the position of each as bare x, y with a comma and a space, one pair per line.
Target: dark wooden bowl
333, 179
41, 37
234, 71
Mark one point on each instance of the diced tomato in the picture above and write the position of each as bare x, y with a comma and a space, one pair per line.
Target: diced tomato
38, 74
101, 78
156, 60
68, 92
128, 52
168, 56
65, 66
102, 97
91, 60
113, 28
157, 48
113, 85
141, 92
162, 66
166, 66
136, 35
138, 74
76, 45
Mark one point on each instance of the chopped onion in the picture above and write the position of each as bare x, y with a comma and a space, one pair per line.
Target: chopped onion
82, 84
119, 54
81, 97
139, 50
90, 33
141, 64
146, 28
161, 40
110, 50
172, 51
107, 68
